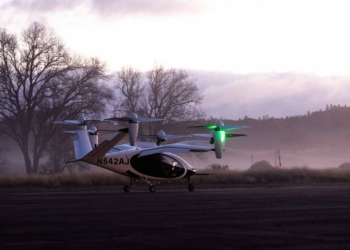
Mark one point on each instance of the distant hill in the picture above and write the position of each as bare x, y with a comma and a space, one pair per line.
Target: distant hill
318, 139
322, 130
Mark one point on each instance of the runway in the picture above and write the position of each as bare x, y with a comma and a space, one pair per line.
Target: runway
243, 217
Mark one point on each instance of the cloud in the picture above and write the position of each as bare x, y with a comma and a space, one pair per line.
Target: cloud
17, 14
153, 7
105, 8
233, 96
41, 5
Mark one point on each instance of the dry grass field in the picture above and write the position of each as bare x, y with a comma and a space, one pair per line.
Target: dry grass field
287, 208
294, 175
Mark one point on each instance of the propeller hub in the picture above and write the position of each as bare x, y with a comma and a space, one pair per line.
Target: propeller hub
161, 134
93, 130
82, 120
218, 125
133, 117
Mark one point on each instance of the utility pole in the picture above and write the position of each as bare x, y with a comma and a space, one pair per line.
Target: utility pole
275, 157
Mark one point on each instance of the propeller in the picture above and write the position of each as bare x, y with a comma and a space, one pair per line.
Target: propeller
218, 135
134, 119
81, 121
133, 125
94, 131
162, 137
219, 126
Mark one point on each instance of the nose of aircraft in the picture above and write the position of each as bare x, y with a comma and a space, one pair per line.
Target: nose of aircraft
190, 172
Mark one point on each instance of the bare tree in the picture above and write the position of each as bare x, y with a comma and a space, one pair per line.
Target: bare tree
166, 93
130, 85
172, 94
4, 163
40, 81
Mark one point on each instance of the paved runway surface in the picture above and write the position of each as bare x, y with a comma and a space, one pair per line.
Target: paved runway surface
265, 217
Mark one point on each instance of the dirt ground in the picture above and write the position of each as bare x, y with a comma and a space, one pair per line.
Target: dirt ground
243, 217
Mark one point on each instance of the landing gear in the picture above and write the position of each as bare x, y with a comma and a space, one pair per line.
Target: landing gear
152, 189
133, 179
127, 188
190, 186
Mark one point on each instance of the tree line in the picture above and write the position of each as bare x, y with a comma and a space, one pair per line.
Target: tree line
42, 81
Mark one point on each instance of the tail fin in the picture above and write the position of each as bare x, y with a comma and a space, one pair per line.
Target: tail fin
82, 144
105, 146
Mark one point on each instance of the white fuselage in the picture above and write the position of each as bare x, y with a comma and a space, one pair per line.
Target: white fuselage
162, 166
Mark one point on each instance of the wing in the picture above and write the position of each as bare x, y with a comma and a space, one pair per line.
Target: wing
139, 119
126, 147
175, 148
202, 135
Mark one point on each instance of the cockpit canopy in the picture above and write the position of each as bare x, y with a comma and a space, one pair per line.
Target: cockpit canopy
158, 165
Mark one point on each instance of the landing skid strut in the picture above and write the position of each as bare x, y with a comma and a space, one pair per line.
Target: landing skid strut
132, 183
152, 188
190, 186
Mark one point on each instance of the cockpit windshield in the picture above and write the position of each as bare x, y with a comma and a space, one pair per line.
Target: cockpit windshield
159, 165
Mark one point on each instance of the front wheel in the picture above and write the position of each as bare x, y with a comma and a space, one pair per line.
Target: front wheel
152, 189
126, 189
190, 187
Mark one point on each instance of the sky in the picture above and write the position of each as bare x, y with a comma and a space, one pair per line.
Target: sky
280, 58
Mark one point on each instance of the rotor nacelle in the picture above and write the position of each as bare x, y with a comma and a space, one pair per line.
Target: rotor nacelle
133, 124
218, 135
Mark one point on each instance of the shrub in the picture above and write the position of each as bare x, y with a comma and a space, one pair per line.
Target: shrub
217, 167
345, 165
261, 165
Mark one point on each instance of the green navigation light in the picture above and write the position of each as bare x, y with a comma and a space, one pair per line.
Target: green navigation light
211, 127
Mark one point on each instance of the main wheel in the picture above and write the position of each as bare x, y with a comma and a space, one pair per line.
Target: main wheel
126, 189
152, 189
190, 187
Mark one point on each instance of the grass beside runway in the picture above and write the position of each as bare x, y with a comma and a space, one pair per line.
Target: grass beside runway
294, 175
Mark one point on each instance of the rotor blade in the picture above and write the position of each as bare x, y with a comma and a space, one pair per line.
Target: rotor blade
70, 131
67, 122
148, 119
118, 119
234, 135
208, 127
226, 128
202, 135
